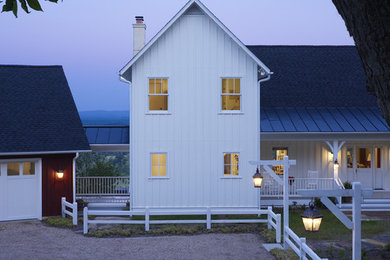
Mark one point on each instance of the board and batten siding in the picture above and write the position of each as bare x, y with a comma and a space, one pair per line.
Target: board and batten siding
194, 54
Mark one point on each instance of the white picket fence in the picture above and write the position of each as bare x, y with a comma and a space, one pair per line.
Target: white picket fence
273, 220
299, 246
101, 185
72, 206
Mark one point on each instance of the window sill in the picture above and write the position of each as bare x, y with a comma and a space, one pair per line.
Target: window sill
231, 177
158, 113
230, 113
158, 178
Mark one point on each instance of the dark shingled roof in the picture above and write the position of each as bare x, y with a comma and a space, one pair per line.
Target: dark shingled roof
38, 113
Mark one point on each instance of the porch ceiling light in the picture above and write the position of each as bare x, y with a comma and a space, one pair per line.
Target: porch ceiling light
257, 179
311, 218
60, 174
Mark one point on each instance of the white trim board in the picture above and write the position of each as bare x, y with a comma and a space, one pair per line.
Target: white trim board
46, 152
324, 136
174, 19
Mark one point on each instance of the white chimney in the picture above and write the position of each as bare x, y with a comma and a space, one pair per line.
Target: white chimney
139, 29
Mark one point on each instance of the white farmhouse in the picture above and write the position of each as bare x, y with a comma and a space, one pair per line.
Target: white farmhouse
194, 114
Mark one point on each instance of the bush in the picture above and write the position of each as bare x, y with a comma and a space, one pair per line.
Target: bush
318, 204
347, 185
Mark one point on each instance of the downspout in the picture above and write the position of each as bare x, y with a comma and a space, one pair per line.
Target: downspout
258, 123
74, 176
131, 184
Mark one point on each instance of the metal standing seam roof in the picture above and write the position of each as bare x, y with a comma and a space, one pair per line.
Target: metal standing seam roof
107, 134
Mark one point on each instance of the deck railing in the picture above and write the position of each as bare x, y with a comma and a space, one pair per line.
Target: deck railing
271, 188
106, 186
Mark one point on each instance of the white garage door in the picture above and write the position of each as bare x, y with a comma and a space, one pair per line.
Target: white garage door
20, 189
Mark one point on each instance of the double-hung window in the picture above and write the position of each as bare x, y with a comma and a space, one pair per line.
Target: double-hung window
159, 164
231, 94
158, 94
230, 164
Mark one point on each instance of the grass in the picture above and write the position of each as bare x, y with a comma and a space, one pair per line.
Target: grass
58, 221
281, 254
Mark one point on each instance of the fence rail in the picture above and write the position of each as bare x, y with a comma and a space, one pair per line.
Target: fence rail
271, 188
97, 186
72, 206
273, 220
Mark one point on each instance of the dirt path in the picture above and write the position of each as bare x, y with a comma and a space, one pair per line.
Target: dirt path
32, 240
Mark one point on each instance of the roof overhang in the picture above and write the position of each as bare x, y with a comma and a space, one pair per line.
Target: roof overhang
188, 5
325, 136
110, 147
44, 152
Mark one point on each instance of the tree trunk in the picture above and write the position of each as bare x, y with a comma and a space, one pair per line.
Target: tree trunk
368, 22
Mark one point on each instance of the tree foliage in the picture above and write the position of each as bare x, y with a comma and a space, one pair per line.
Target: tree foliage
103, 164
12, 5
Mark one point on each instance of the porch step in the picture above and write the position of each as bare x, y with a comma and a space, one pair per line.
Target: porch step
370, 205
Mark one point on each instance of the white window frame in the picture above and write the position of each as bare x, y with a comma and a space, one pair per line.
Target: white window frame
20, 161
230, 112
166, 166
157, 112
231, 176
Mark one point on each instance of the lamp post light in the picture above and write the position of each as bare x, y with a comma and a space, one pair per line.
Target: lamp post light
311, 218
257, 179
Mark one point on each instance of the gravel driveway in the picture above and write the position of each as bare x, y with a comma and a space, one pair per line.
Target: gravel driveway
33, 240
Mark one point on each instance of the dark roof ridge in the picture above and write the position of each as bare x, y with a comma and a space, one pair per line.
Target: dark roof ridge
29, 66
301, 46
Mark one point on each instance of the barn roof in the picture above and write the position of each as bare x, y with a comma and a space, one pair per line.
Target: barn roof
38, 114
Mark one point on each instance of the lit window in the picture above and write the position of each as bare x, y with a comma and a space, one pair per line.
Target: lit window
158, 94
363, 158
13, 169
231, 94
28, 168
230, 164
349, 158
159, 164
278, 154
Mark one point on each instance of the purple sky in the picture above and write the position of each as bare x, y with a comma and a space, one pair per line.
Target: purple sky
93, 42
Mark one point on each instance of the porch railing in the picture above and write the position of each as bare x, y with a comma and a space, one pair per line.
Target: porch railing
271, 188
106, 186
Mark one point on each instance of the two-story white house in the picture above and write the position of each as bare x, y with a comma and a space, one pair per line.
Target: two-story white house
193, 126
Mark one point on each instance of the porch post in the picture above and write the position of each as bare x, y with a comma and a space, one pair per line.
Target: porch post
285, 200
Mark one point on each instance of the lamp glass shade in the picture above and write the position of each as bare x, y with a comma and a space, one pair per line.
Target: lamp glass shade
60, 174
257, 179
311, 219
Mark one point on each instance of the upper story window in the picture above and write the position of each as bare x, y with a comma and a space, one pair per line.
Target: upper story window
158, 94
278, 153
230, 164
231, 94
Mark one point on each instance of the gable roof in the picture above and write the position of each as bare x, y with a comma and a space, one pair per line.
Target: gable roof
125, 73
38, 114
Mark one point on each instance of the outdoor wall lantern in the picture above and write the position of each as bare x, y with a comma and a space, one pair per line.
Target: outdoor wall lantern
257, 179
311, 218
60, 174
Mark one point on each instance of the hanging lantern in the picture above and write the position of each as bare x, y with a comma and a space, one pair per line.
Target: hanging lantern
311, 218
257, 179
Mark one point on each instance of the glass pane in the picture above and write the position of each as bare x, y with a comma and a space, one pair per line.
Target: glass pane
234, 169
226, 158
12, 169
162, 170
378, 158
224, 86
154, 170
234, 158
278, 154
158, 102
227, 170
28, 168
364, 158
158, 86
151, 86
231, 85
231, 102
165, 86
155, 159
237, 86
349, 158
163, 159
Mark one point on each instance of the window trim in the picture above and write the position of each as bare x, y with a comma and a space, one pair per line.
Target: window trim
157, 112
230, 112
230, 176
166, 167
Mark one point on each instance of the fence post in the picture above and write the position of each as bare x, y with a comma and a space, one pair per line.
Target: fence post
269, 217
63, 207
75, 213
302, 253
85, 220
278, 229
147, 216
208, 218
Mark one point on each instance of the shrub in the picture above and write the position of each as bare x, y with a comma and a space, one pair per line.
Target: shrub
318, 204
347, 185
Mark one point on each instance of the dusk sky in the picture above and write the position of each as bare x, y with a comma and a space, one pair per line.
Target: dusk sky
92, 39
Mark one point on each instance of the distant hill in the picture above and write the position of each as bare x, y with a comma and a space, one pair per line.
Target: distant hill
101, 117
